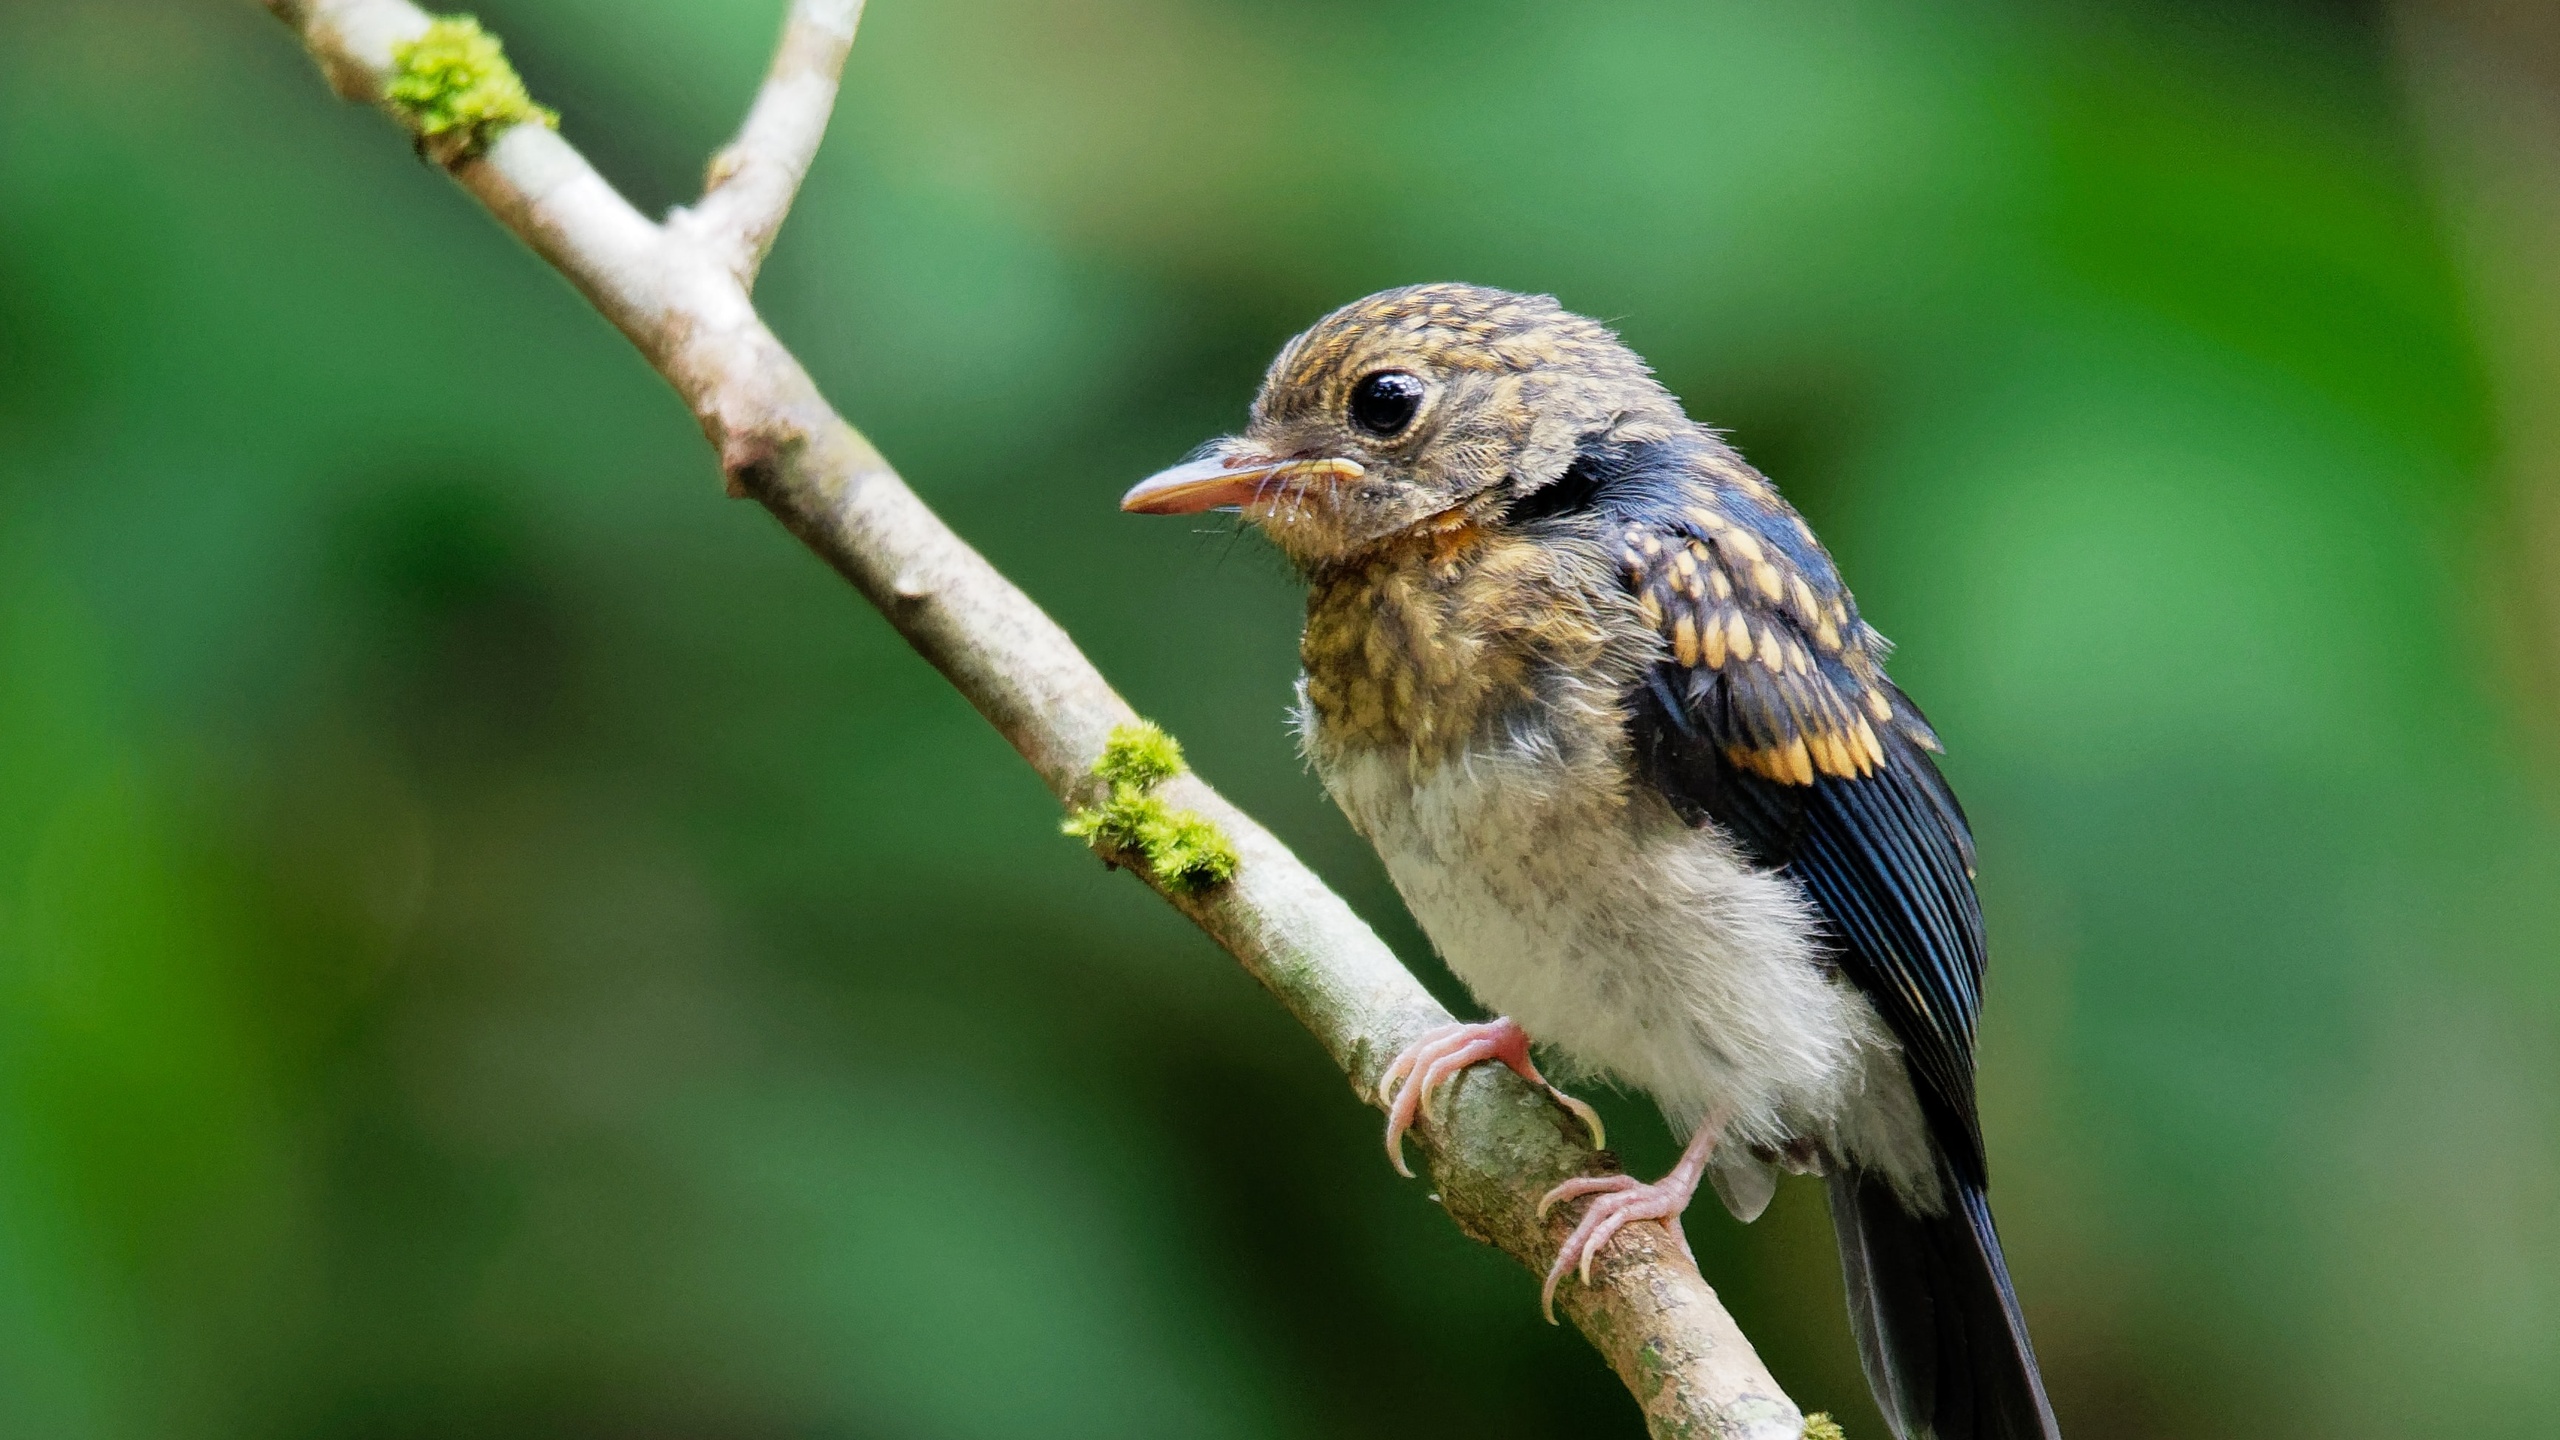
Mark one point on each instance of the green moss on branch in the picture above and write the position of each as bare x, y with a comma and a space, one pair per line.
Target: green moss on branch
457, 91
1132, 825
1822, 1427
1141, 755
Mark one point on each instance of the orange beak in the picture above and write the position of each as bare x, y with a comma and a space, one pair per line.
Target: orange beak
1242, 479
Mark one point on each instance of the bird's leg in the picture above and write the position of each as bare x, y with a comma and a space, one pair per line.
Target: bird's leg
1430, 1062
1624, 1198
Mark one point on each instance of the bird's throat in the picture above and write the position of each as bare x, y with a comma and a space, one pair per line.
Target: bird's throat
1420, 647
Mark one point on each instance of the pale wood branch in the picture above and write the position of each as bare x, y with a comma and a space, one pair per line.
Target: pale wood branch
753, 180
680, 292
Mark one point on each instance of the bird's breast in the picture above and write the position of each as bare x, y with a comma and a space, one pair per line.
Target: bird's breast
1427, 650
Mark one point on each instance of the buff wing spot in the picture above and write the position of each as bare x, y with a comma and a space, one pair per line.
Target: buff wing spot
1780, 649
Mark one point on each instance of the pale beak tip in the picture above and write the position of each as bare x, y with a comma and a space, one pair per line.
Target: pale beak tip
1158, 495
1194, 486
1229, 480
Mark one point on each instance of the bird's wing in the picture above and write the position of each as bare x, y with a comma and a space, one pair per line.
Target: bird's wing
1770, 715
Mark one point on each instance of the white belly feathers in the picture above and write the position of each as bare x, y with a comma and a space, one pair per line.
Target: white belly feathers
1639, 949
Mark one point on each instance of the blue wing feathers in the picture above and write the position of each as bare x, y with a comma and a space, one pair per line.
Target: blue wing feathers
1820, 766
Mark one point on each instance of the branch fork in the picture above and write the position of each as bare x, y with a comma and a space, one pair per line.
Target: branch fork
753, 180
681, 292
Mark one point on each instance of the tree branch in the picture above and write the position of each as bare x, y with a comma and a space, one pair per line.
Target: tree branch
752, 182
679, 291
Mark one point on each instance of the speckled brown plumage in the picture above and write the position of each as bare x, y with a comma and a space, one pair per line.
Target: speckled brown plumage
1418, 647
1630, 754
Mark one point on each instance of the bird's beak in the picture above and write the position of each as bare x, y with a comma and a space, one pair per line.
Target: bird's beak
1240, 477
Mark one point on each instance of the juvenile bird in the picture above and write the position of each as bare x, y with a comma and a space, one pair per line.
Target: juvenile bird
1600, 700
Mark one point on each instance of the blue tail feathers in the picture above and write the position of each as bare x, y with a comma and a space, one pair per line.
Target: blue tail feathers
1938, 1326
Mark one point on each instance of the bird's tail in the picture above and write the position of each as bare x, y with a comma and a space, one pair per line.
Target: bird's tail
1938, 1327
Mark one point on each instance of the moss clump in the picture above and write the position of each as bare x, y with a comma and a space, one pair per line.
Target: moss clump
1822, 1427
456, 89
1184, 852
1141, 755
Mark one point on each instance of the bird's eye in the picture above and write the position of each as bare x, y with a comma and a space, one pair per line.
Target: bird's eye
1384, 403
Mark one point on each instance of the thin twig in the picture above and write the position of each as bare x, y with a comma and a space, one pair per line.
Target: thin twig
753, 180
680, 293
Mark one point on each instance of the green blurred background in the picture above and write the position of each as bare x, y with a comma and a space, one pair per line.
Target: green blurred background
495, 940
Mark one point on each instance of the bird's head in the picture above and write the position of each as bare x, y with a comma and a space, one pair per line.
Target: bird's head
1427, 410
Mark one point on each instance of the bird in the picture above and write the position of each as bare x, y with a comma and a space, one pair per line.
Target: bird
1601, 702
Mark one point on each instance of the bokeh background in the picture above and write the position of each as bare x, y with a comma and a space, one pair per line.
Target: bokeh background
495, 940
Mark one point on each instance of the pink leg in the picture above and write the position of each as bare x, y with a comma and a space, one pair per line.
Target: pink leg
1430, 1062
1624, 1198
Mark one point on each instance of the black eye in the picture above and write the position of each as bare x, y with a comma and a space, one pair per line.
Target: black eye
1383, 404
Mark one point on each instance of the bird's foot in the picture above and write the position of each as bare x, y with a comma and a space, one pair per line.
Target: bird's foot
1430, 1062
1624, 1200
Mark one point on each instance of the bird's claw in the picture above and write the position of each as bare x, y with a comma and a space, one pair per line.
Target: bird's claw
1623, 1200
1409, 1080
1583, 1112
